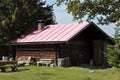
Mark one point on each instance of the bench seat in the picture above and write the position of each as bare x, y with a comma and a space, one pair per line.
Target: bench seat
45, 62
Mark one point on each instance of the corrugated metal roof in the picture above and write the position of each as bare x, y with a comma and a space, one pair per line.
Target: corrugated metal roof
52, 33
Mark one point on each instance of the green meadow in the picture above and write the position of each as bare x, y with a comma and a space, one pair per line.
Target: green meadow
61, 73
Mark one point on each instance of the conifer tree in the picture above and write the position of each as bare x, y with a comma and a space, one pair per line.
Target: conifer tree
16, 16
113, 51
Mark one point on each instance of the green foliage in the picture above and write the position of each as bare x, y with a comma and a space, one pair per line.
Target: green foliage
113, 53
105, 11
16, 16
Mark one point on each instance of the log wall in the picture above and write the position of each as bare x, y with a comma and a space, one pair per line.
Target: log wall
79, 52
36, 52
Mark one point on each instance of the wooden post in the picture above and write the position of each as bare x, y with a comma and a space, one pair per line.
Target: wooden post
57, 54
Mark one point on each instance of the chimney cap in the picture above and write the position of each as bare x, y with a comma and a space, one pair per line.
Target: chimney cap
40, 21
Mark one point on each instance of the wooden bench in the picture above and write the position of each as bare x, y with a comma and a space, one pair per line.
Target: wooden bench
4, 67
45, 62
5, 64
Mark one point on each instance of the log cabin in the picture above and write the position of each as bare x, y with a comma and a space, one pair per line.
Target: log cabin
81, 42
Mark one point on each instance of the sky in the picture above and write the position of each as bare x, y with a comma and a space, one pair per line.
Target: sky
63, 17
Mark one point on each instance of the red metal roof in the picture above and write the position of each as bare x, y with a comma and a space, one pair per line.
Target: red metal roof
52, 33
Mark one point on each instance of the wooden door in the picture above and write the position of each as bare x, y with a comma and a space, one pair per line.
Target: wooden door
97, 51
81, 55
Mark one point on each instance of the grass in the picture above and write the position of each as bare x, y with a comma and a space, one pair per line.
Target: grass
57, 73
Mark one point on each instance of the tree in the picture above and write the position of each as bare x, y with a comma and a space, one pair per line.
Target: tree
113, 51
105, 11
16, 16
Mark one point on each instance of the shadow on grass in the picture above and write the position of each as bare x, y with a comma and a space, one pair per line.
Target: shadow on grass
92, 66
48, 74
20, 70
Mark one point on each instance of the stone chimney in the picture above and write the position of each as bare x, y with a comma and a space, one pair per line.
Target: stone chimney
40, 25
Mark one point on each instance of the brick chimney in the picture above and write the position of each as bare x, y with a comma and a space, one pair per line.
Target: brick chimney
40, 25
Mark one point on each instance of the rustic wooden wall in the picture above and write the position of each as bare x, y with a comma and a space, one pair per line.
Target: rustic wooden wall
37, 52
79, 52
82, 51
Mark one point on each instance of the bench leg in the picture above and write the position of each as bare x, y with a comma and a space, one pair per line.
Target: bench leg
3, 69
38, 64
14, 68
